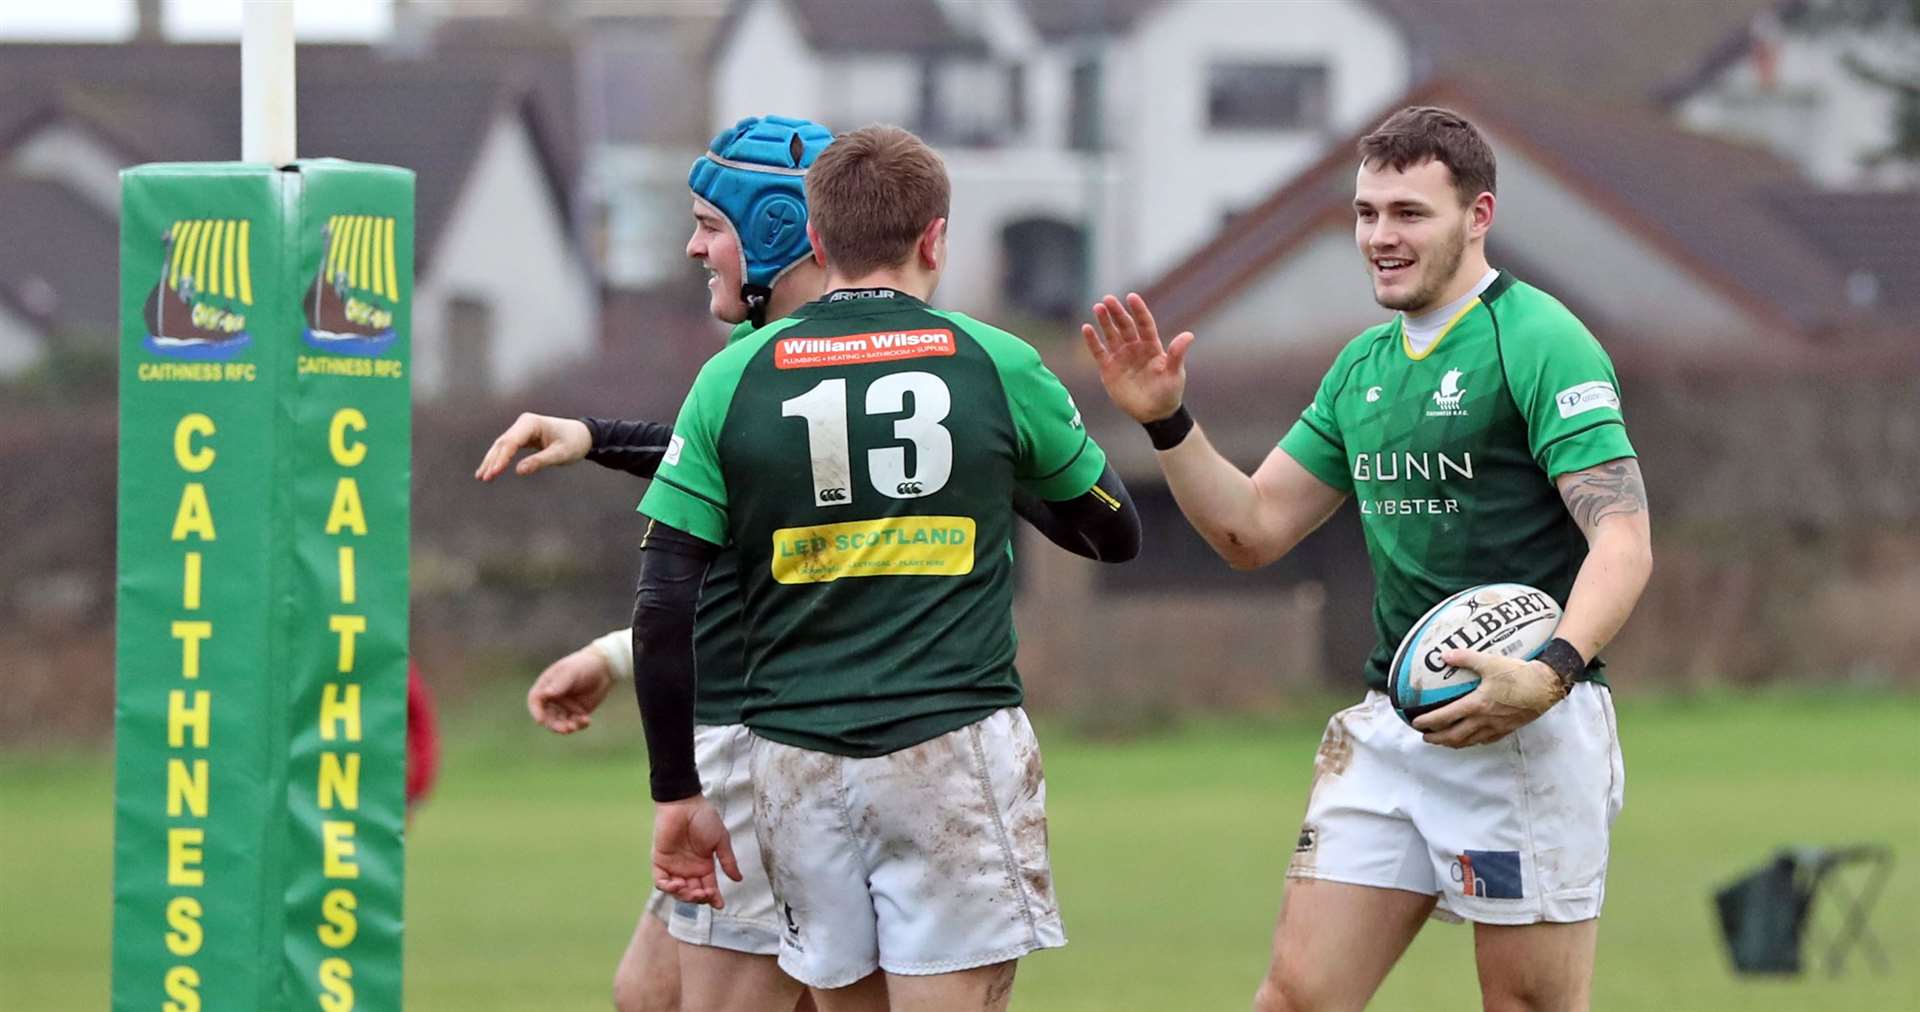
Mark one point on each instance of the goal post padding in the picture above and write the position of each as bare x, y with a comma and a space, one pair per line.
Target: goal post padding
261, 639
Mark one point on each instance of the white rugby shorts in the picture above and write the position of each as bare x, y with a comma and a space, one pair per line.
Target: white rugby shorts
932, 859
1512, 832
748, 924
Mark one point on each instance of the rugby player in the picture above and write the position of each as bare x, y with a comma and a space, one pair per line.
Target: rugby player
1496, 808
747, 184
860, 456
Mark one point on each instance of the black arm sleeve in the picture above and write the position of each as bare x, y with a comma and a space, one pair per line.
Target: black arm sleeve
673, 564
1100, 523
631, 446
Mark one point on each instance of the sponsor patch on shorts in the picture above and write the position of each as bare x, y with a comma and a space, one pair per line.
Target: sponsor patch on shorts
860, 349
1586, 397
1488, 874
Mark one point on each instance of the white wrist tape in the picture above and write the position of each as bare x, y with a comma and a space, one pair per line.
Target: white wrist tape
617, 648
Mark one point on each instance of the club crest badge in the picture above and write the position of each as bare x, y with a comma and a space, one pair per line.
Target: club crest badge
198, 308
350, 306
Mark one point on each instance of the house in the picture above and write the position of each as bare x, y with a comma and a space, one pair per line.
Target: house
1142, 118
1656, 236
1824, 85
644, 124
59, 292
1094, 143
502, 294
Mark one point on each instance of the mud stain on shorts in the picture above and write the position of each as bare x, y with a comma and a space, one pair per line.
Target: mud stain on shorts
1027, 820
1332, 760
1029, 833
794, 779
1336, 749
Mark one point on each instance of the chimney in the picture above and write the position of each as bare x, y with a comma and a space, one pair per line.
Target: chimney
146, 26
1766, 38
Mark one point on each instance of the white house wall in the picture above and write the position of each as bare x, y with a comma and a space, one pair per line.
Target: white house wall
765, 67
647, 205
21, 346
1318, 295
1049, 99
859, 91
1622, 275
991, 191
1184, 177
506, 244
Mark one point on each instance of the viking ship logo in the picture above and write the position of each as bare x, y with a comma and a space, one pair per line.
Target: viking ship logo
351, 304
198, 309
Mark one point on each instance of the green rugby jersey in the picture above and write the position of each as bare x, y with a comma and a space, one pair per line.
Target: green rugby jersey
860, 456
719, 643
1451, 455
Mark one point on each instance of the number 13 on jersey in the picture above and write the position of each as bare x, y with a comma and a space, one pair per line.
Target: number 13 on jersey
825, 407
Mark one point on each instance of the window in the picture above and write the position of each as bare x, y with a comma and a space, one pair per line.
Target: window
469, 345
1267, 96
931, 124
971, 103
1084, 131
1045, 267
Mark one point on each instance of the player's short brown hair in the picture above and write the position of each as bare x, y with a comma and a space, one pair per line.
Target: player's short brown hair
1420, 133
871, 193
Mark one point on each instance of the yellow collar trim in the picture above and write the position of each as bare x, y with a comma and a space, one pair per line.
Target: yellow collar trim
1406, 343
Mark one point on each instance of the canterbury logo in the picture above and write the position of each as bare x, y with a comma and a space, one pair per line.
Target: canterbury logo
833, 495
908, 488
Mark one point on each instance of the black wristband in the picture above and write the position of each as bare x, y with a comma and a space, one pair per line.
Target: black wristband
1565, 661
1169, 432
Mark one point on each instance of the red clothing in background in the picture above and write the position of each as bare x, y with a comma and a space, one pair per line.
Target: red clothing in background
423, 739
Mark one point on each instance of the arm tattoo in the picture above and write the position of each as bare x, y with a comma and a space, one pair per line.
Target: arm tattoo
1605, 491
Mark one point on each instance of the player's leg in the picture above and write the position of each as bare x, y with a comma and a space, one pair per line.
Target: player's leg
1335, 944
729, 957
955, 837
1360, 884
983, 987
713, 979
1535, 967
817, 874
868, 994
648, 977
1520, 830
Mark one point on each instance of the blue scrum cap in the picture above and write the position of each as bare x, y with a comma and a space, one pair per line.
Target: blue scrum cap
754, 174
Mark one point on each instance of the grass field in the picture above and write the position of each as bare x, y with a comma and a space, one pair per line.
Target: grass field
526, 871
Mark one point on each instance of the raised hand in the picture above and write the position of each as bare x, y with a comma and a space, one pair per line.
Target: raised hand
558, 440
563, 698
687, 836
1144, 378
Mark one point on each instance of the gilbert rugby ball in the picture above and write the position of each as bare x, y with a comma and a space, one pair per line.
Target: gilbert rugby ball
1503, 619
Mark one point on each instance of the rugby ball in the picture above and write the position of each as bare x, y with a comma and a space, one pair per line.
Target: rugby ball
1503, 619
